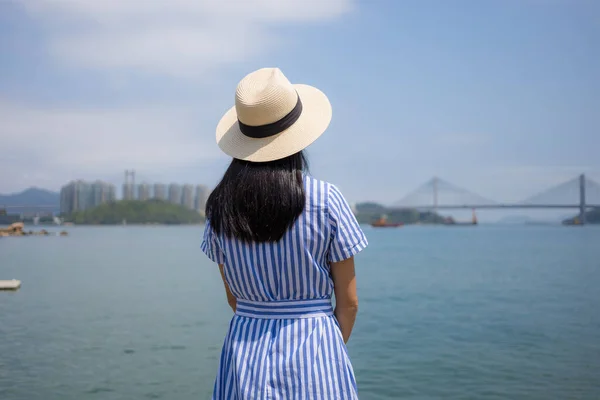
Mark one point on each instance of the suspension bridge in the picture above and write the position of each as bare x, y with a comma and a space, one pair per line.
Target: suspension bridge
579, 193
437, 194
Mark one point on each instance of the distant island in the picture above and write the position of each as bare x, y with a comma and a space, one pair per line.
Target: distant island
367, 213
591, 217
135, 212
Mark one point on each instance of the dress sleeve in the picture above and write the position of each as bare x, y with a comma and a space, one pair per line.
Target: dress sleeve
210, 245
347, 238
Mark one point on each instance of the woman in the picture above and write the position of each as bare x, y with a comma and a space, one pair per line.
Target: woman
284, 242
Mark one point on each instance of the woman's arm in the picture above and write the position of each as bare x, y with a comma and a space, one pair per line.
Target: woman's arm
346, 299
230, 297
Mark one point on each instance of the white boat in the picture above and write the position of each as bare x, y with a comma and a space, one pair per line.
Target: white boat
12, 284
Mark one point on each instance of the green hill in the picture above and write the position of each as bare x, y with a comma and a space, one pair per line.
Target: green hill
591, 217
136, 212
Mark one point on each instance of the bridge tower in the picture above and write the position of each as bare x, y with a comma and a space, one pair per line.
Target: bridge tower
129, 185
582, 198
435, 195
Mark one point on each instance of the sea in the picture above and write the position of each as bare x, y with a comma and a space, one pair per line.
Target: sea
456, 313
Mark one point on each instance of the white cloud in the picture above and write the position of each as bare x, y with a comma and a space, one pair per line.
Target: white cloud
182, 38
75, 143
187, 40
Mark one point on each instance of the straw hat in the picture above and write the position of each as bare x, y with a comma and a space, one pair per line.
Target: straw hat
272, 118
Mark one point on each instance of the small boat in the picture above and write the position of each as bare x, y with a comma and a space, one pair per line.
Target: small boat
12, 284
382, 223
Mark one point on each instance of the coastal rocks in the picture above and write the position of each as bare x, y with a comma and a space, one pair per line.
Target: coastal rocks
16, 229
13, 229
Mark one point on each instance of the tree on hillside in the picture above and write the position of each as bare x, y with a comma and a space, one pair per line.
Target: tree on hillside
136, 212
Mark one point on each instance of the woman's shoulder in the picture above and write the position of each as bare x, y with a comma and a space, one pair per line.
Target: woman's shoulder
318, 189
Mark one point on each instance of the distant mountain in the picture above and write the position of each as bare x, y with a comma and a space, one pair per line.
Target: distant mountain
30, 197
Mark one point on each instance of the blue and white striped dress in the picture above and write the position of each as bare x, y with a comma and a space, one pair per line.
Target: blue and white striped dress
283, 341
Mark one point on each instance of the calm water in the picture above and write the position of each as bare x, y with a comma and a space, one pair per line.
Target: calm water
446, 313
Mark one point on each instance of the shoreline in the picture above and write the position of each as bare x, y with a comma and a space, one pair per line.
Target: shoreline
67, 226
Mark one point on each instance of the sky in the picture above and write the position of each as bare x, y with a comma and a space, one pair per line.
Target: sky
500, 97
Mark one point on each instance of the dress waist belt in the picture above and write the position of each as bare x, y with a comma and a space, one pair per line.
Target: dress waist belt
284, 309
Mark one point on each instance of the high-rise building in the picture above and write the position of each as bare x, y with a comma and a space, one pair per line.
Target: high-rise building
102, 192
200, 198
143, 192
175, 193
187, 197
128, 191
129, 188
80, 195
112, 193
160, 191
66, 198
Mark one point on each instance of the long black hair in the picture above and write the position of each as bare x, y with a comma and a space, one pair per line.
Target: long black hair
258, 202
